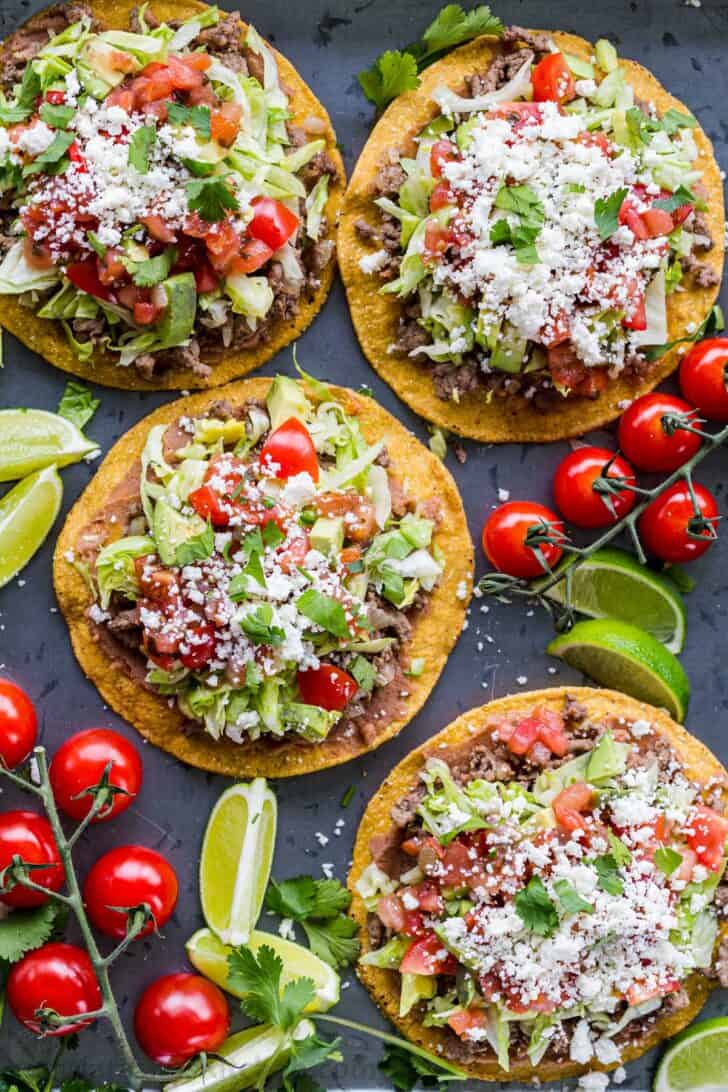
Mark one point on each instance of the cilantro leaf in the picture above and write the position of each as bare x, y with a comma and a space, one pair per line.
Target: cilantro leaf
257, 979
667, 860
52, 156
318, 905
324, 611
211, 197
405, 1068
621, 854
196, 116
55, 115
334, 940
673, 119
522, 202
535, 909
196, 548
453, 26
606, 213
608, 874
153, 270
77, 403
254, 569
258, 626
570, 898
307, 1054
140, 145
24, 930
391, 75
681, 196
272, 534
293, 898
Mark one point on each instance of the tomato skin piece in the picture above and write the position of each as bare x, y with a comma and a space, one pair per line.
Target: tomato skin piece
574, 492
128, 876
180, 1015
28, 835
504, 536
707, 833
552, 80
79, 763
570, 804
703, 373
327, 686
644, 440
18, 724
291, 450
630, 217
664, 523
272, 222
57, 976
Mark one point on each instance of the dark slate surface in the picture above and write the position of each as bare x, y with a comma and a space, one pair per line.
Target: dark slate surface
503, 648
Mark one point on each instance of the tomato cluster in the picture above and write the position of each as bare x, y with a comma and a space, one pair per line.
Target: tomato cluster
594, 487
177, 1016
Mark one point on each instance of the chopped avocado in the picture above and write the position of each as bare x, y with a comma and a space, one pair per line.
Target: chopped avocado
377, 644
171, 529
267, 704
608, 759
327, 535
134, 251
509, 352
286, 399
178, 319
357, 584
582, 69
310, 721
389, 956
206, 158
414, 988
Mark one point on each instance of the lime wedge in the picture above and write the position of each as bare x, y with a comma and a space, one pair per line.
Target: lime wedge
251, 1055
209, 955
237, 852
612, 584
697, 1060
31, 439
626, 658
27, 513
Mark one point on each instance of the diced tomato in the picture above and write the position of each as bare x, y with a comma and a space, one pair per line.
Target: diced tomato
184, 76
359, 514
272, 222
594, 382
595, 140
157, 228
437, 240
517, 114
225, 123
429, 897
350, 554
556, 331
199, 61
391, 912
76, 157
681, 214
706, 834
327, 686
657, 222
110, 267
571, 804
206, 280
223, 244
460, 867
208, 504
158, 110
413, 847
441, 196
551, 732
202, 96
567, 370
428, 956
552, 80
150, 88
630, 217
293, 553
154, 581
640, 991
122, 96
85, 276
253, 254
524, 735
686, 869
37, 254
55, 98
198, 647
441, 152
462, 1023
414, 924
146, 312
636, 318
290, 450
119, 61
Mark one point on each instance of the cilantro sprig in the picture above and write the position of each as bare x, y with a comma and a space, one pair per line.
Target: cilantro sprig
397, 71
606, 213
319, 907
211, 198
523, 203
535, 908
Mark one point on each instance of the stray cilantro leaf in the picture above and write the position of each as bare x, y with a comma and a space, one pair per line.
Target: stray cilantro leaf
257, 979
307, 1054
24, 930
570, 898
608, 874
347, 797
196, 116
254, 569
667, 860
301, 1083
324, 611
500, 232
522, 202
252, 544
56, 116
606, 213
291, 898
681, 196
154, 270
535, 909
196, 548
453, 26
211, 197
674, 119
258, 626
391, 75
27, 1080
335, 940
77, 404
140, 145
319, 906
712, 324
407, 1068
621, 854
272, 534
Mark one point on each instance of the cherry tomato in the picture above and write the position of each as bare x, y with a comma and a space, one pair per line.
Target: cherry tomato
290, 449
28, 835
272, 222
128, 876
327, 686
79, 763
179, 1016
504, 538
56, 976
704, 377
665, 524
644, 439
18, 724
707, 835
552, 79
574, 492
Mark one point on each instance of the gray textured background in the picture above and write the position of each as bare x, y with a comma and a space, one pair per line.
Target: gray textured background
329, 43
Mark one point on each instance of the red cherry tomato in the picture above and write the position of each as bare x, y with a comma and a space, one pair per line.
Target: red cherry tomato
665, 524
704, 377
56, 976
644, 439
290, 449
504, 538
128, 876
28, 835
272, 222
327, 686
574, 492
179, 1016
552, 79
79, 763
18, 724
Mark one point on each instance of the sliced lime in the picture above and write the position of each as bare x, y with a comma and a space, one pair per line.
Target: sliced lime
209, 955
250, 1056
612, 584
626, 658
31, 439
697, 1060
237, 853
27, 513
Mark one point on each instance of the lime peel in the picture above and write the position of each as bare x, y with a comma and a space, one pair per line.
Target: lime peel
697, 1060
27, 513
32, 439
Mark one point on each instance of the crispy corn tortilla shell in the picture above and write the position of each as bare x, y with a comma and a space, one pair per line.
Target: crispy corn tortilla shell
376, 316
701, 766
435, 629
46, 337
